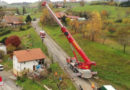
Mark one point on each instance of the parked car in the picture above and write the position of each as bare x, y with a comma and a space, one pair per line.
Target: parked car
1, 67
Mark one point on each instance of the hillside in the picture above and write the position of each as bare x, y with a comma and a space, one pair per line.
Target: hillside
2, 3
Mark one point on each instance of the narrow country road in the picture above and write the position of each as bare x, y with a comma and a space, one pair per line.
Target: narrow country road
9, 84
60, 56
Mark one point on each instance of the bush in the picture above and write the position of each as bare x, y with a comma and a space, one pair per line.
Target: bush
25, 27
22, 79
4, 31
13, 40
3, 40
112, 30
22, 28
10, 48
119, 21
126, 20
1, 54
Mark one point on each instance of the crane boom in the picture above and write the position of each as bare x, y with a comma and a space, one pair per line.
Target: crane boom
71, 40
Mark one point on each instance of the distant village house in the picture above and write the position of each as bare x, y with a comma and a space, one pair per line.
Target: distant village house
60, 14
12, 21
30, 60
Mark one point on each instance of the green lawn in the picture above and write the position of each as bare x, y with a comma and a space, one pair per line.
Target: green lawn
112, 64
30, 84
115, 12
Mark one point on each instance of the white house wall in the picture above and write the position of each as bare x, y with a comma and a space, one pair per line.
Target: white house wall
16, 64
28, 65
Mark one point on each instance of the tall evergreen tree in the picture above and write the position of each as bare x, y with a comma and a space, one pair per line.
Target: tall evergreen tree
28, 19
17, 11
24, 10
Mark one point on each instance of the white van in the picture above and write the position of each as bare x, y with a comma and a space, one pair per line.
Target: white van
1, 67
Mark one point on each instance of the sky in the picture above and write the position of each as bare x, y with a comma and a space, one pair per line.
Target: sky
13, 1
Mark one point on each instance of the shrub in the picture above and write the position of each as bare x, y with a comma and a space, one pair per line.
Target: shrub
1, 54
112, 30
10, 48
3, 40
104, 13
4, 31
119, 21
13, 40
126, 20
22, 28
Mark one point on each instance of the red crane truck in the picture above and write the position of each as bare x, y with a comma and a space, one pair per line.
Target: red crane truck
83, 69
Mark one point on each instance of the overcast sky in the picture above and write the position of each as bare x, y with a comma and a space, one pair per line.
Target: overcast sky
12, 1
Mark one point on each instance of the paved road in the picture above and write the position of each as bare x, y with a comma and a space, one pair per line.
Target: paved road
59, 55
9, 84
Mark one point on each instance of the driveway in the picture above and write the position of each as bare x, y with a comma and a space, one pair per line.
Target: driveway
9, 84
60, 56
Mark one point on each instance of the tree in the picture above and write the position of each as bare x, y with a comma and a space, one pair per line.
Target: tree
75, 25
2, 13
46, 18
13, 40
28, 19
123, 37
17, 11
104, 36
82, 3
104, 13
94, 26
24, 10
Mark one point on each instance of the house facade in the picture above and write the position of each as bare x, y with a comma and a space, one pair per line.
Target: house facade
12, 21
27, 60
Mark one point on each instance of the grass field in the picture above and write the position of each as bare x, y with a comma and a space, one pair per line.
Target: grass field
112, 64
114, 12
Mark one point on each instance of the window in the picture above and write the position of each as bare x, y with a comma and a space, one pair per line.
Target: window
41, 62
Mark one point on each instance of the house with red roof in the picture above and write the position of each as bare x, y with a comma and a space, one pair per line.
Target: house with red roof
29, 60
60, 14
12, 21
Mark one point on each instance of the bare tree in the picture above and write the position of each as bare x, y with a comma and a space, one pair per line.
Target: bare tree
123, 37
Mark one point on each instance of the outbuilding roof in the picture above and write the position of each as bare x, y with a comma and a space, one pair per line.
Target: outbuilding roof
29, 55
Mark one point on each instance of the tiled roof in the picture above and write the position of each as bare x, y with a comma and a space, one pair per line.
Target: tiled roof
13, 20
60, 14
29, 55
